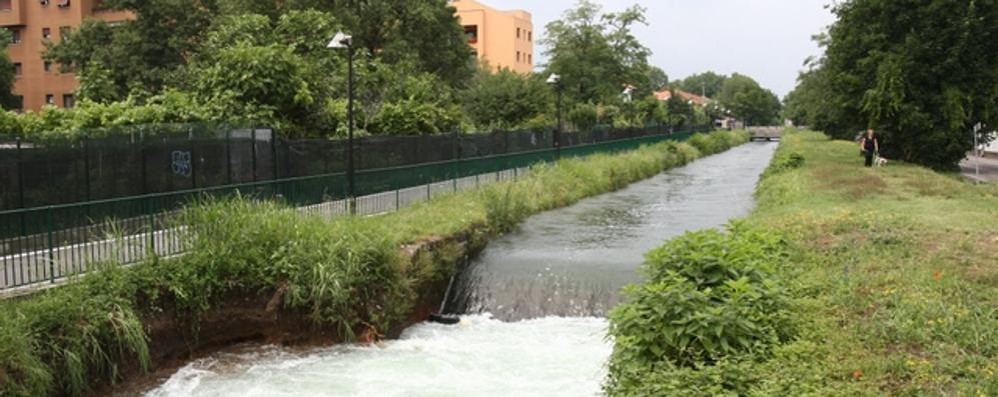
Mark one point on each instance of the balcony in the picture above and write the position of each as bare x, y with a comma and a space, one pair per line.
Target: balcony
11, 13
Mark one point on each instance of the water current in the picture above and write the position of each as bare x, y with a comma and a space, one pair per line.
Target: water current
534, 302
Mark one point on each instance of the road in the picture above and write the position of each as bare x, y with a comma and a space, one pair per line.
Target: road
988, 168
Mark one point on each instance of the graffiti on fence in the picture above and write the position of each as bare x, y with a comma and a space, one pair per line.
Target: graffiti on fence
182, 163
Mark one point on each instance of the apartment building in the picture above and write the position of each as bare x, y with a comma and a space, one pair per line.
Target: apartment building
503, 38
32, 23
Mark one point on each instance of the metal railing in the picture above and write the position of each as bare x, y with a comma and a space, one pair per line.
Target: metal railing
48, 244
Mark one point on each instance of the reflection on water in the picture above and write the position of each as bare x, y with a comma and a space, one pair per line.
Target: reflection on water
574, 261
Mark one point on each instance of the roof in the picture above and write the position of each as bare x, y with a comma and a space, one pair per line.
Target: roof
698, 100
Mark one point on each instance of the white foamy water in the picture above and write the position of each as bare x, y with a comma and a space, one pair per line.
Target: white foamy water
480, 357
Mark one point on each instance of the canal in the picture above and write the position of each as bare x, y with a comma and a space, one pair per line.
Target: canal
533, 303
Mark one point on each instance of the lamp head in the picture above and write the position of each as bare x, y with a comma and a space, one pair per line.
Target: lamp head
341, 40
554, 79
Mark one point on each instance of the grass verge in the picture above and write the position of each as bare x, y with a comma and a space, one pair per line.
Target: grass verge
348, 274
891, 276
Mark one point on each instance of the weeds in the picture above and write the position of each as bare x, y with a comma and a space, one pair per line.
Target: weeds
891, 273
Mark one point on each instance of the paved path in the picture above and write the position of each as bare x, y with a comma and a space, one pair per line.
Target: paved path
988, 167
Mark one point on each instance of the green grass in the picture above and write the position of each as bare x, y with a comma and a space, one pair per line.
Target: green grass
346, 274
894, 274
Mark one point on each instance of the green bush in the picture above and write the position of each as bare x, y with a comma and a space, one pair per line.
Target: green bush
709, 296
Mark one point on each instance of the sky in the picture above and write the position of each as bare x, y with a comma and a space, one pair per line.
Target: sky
765, 39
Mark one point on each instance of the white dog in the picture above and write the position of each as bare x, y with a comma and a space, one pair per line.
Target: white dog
880, 161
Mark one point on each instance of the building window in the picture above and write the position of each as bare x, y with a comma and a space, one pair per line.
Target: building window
17, 68
471, 32
47, 66
530, 36
5, 5
46, 33
63, 3
15, 36
517, 32
68, 101
518, 56
530, 59
50, 99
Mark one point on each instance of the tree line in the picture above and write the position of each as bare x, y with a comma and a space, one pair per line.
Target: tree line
923, 74
265, 62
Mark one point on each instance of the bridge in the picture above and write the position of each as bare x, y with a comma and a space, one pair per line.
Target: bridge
765, 133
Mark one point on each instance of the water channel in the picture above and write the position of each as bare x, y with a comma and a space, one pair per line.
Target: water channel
534, 302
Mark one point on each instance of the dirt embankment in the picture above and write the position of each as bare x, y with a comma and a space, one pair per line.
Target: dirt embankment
260, 317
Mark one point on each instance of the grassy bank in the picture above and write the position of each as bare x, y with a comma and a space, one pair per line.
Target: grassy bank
348, 275
845, 281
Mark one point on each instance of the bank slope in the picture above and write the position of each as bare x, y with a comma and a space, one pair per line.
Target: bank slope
891, 275
261, 271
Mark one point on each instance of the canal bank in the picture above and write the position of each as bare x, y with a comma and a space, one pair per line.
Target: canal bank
870, 281
346, 278
532, 302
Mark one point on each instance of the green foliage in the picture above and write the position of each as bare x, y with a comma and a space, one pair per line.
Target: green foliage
708, 82
414, 118
7, 99
506, 99
596, 54
709, 296
584, 116
748, 101
784, 161
923, 77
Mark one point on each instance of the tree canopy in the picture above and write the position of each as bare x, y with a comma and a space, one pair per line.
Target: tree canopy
922, 73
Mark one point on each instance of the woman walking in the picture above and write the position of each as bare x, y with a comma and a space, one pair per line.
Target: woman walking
869, 146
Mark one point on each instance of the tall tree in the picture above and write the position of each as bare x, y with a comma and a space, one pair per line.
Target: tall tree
596, 54
707, 83
747, 100
923, 73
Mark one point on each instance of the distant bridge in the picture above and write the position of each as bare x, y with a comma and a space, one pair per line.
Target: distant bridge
765, 133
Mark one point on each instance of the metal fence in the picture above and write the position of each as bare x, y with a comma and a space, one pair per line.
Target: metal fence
105, 164
46, 244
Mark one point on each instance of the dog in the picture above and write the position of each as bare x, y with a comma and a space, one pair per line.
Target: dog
880, 161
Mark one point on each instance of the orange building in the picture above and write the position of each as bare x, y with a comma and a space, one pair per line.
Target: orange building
503, 38
32, 23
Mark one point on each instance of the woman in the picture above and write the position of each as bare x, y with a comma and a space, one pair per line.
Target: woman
869, 146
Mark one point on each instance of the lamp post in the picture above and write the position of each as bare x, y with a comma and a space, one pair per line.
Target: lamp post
345, 41
555, 81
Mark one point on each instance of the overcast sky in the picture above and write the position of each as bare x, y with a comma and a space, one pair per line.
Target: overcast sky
765, 39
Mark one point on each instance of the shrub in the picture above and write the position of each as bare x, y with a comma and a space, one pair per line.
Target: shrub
710, 296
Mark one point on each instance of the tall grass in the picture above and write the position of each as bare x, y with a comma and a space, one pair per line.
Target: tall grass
347, 274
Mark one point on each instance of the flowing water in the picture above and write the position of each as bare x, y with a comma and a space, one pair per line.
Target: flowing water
534, 302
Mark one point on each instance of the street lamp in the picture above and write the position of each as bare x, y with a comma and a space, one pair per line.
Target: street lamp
345, 41
555, 81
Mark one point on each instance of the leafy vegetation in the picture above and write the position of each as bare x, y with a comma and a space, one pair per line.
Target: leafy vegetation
889, 276
922, 75
345, 274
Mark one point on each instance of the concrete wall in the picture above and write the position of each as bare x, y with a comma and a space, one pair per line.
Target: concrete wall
505, 38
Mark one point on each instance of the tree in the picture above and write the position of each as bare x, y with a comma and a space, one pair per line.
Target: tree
596, 54
7, 98
748, 101
657, 79
506, 99
707, 82
922, 73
